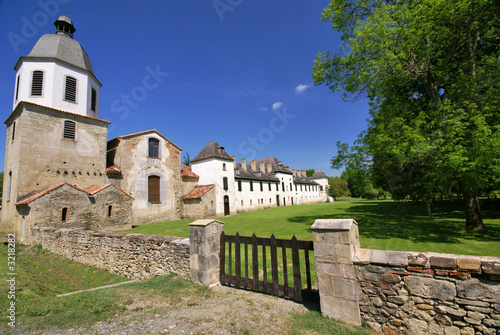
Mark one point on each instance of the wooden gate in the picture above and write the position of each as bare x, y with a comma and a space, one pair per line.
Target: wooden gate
246, 269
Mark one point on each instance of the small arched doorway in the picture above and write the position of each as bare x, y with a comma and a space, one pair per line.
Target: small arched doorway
226, 205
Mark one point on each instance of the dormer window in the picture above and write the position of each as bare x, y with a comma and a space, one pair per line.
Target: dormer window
70, 89
237, 171
37, 83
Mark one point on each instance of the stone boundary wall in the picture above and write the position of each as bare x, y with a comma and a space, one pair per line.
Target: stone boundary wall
428, 293
131, 255
404, 292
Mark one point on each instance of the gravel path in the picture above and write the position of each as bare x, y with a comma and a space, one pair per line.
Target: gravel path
227, 311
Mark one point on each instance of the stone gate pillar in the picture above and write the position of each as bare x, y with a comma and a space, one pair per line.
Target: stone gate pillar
335, 244
204, 238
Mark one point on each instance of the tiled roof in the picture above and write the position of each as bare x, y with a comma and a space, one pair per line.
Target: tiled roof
95, 189
186, 172
212, 150
37, 195
22, 103
113, 170
198, 192
92, 190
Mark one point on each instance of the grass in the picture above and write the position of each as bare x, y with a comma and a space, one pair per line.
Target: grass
38, 308
42, 275
384, 224
314, 323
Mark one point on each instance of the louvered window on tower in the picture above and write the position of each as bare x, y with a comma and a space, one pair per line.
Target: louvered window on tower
70, 92
37, 83
69, 130
93, 99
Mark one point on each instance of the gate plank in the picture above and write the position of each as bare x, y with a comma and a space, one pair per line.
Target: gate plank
255, 263
274, 265
285, 271
237, 261
297, 285
246, 263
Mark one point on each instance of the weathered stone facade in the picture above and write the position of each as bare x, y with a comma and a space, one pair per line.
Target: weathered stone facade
404, 292
131, 155
130, 255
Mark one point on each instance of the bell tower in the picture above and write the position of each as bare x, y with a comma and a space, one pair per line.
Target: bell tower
57, 73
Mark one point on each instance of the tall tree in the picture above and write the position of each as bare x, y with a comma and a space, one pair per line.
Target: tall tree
431, 70
338, 187
186, 160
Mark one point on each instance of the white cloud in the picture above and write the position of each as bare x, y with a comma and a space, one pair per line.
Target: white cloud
301, 88
277, 105
264, 109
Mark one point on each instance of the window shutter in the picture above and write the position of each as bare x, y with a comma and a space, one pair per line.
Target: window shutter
37, 83
154, 189
69, 130
70, 93
224, 180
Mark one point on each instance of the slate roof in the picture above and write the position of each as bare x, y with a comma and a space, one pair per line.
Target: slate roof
276, 164
212, 150
186, 172
199, 192
63, 48
318, 174
304, 180
253, 175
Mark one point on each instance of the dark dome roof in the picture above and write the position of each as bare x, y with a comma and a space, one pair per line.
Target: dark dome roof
63, 48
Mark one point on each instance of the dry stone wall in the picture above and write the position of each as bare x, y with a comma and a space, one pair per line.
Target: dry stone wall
428, 293
130, 255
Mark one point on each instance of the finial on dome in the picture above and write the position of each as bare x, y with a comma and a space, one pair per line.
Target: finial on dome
64, 26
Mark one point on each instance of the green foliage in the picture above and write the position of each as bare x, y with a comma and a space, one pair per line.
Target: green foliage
186, 160
310, 172
338, 187
431, 70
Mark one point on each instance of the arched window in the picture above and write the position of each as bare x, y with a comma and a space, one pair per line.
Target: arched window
70, 89
9, 186
223, 166
154, 148
69, 130
154, 189
37, 83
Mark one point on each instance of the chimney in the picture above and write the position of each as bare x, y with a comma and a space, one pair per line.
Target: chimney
244, 164
269, 167
294, 174
233, 157
252, 165
304, 173
262, 167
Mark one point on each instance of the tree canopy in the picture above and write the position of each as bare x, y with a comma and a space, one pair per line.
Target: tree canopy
431, 70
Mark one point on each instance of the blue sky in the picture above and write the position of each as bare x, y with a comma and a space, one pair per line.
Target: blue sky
235, 71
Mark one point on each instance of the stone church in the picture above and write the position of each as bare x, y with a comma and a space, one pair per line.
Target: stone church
61, 171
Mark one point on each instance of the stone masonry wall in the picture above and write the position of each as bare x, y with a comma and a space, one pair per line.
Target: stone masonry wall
130, 255
428, 293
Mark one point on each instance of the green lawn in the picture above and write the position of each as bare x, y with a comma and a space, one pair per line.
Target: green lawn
387, 225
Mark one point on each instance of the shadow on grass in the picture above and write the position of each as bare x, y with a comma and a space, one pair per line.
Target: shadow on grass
403, 220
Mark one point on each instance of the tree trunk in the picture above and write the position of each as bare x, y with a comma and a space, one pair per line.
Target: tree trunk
429, 212
473, 217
